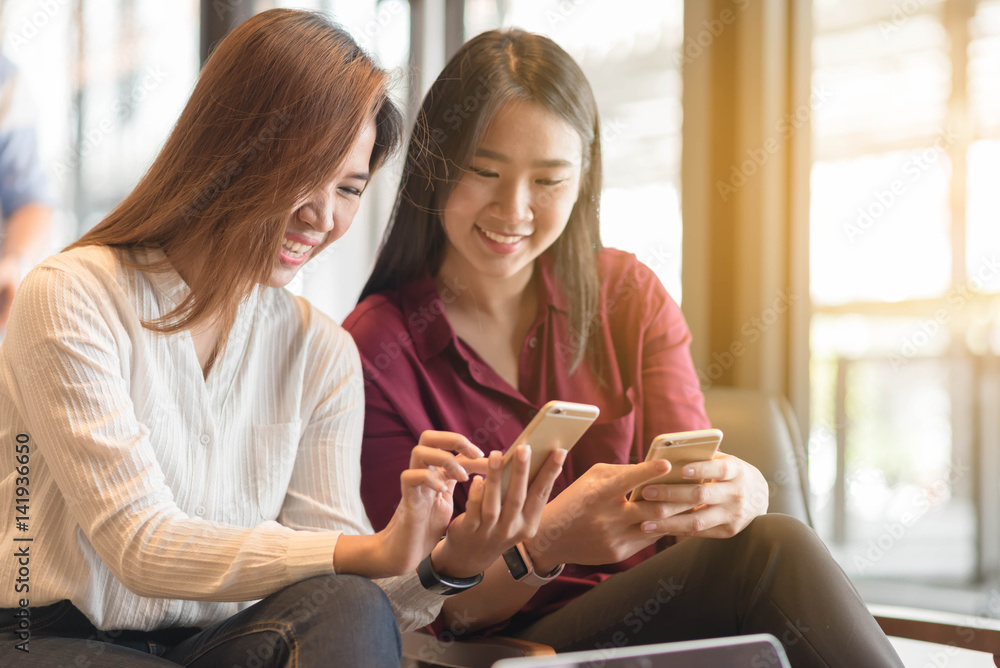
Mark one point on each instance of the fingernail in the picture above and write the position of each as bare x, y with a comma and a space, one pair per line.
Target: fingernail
481, 453
561, 454
650, 493
524, 452
649, 527
463, 473
495, 460
688, 472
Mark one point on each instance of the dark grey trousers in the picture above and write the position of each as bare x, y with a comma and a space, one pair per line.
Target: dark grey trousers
775, 577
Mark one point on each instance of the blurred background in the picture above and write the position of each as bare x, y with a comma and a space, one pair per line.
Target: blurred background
829, 171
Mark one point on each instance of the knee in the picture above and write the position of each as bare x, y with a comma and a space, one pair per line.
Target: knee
329, 594
785, 535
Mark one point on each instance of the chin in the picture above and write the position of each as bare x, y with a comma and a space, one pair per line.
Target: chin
280, 279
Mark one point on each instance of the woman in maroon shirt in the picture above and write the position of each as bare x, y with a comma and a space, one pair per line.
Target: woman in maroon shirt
492, 295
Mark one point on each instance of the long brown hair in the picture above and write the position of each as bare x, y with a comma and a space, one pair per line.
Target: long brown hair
276, 109
489, 71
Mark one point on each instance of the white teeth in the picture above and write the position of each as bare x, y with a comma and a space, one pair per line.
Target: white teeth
294, 248
499, 238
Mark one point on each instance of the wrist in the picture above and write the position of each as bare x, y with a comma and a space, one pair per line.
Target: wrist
447, 561
362, 555
541, 555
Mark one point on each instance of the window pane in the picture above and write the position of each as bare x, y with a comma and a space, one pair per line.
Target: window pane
888, 82
104, 106
909, 509
984, 69
880, 227
983, 217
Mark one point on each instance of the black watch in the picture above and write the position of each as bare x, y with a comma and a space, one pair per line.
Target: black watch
441, 584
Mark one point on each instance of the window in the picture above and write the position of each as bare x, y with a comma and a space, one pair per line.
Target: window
108, 79
905, 271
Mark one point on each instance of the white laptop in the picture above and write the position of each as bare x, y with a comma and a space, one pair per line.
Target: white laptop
751, 651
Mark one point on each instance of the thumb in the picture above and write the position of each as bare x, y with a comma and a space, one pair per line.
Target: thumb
633, 475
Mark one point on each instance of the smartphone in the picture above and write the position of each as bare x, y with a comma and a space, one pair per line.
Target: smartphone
681, 448
559, 424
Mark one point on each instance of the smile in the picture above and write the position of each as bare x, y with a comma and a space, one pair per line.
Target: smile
500, 238
295, 252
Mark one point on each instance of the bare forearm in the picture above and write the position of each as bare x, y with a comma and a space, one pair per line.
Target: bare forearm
27, 231
361, 555
493, 600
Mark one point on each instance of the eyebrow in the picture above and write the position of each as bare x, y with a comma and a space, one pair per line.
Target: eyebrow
362, 176
500, 157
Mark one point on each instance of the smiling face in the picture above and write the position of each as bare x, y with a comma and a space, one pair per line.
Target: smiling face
516, 195
325, 214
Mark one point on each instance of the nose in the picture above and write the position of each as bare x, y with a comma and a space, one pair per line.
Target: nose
318, 212
513, 203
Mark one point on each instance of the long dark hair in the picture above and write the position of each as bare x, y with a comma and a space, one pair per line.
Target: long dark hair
489, 71
274, 114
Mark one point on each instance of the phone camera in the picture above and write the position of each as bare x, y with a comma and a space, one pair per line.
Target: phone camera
557, 411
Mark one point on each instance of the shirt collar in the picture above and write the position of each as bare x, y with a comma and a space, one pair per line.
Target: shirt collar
551, 293
167, 282
426, 321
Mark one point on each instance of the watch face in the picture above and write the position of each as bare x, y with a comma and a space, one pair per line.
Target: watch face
515, 564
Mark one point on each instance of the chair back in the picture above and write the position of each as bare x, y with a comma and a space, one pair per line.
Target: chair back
759, 428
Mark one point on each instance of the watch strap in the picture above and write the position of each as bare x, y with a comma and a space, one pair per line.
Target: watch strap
522, 569
439, 584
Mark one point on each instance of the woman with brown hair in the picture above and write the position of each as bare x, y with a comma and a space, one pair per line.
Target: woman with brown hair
492, 295
185, 438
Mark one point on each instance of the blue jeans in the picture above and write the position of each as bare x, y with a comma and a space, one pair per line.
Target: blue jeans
329, 620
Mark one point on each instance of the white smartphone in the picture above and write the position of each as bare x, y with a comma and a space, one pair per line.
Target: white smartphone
559, 424
681, 448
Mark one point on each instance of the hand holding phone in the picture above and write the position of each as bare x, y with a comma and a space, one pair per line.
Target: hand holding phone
559, 424
680, 449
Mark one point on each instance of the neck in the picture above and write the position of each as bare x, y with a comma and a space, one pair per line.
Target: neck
184, 264
495, 298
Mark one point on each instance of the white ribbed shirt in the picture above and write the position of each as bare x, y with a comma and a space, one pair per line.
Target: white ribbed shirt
160, 498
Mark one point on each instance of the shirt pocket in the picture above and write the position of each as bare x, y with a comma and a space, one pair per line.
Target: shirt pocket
275, 447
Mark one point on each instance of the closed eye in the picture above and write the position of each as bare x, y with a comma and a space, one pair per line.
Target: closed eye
549, 182
484, 173
350, 191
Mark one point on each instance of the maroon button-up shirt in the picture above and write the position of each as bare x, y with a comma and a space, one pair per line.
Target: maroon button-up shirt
419, 375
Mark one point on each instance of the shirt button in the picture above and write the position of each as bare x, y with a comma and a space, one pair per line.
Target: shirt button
205, 439
475, 371
533, 342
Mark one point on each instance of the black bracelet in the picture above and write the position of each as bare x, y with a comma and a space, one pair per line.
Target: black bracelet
438, 584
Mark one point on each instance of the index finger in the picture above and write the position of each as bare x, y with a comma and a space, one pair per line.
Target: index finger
633, 475
723, 467
449, 440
